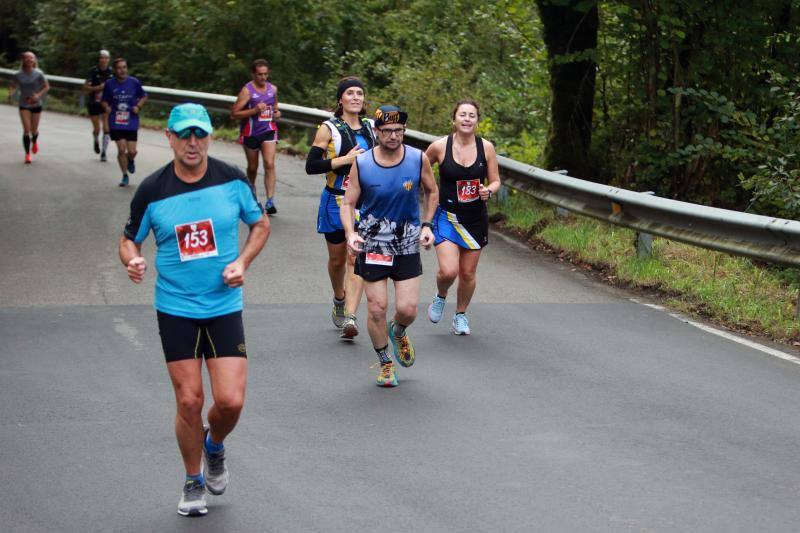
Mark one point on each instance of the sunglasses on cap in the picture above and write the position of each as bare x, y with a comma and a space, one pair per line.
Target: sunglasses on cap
186, 133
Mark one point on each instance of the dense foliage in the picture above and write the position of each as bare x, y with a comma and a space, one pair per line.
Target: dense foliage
693, 99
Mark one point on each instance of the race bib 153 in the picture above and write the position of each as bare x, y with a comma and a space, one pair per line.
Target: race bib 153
196, 240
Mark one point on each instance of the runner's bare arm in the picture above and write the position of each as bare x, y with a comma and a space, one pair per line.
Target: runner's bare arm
493, 172
435, 150
238, 111
233, 274
431, 200
130, 254
138, 107
347, 212
276, 113
430, 188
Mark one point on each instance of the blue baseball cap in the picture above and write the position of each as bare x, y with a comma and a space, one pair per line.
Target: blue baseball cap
187, 116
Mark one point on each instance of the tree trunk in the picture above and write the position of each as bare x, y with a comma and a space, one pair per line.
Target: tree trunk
570, 34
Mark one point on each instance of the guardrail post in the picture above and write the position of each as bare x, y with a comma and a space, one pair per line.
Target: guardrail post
502, 194
560, 211
644, 241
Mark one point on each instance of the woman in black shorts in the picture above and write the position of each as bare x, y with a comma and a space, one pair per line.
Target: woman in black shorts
31, 85
468, 177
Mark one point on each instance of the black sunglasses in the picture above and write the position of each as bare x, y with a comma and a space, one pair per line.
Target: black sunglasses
186, 133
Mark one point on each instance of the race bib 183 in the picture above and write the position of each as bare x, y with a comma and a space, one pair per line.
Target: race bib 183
379, 259
196, 240
467, 190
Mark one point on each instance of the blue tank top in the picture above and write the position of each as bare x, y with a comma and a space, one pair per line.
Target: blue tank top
389, 199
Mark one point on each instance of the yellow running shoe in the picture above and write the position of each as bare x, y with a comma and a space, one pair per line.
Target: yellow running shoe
403, 349
386, 376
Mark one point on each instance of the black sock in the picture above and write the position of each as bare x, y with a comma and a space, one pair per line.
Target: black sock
398, 330
34, 137
26, 142
383, 357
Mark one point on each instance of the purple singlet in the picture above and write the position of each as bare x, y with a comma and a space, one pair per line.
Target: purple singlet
262, 123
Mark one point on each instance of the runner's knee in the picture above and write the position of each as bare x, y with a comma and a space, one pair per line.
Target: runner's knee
447, 273
377, 311
467, 276
229, 403
406, 311
190, 403
337, 260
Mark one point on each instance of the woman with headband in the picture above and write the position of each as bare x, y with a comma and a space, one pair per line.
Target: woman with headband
337, 143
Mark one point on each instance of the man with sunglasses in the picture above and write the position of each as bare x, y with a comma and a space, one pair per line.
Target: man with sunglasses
386, 182
193, 206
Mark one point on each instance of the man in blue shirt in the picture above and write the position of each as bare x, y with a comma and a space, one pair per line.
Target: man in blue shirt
123, 98
386, 182
193, 206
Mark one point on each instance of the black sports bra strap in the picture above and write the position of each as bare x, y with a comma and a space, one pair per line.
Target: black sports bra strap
481, 156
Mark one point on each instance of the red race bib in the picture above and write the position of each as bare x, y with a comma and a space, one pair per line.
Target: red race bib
467, 190
265, 115
122, 118
196, 240
379, 259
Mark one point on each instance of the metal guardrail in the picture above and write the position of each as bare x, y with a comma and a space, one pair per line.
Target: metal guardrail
768, 239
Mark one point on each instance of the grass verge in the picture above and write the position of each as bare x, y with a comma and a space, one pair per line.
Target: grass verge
733, 291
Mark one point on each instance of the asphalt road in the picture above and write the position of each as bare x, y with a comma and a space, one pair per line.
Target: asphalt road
570, 408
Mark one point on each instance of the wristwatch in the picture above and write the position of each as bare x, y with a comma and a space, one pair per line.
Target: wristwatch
427, 225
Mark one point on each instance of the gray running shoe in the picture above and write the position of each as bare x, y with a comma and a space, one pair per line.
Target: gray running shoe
349, 328
436, 309
193, 499
460, 324
215, 471
338, 315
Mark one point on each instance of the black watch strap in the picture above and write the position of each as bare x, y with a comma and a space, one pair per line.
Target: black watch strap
427, 225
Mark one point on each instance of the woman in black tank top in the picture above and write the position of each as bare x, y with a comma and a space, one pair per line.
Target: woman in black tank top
468, 177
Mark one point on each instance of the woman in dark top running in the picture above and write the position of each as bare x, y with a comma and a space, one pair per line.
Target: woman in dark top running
468, 177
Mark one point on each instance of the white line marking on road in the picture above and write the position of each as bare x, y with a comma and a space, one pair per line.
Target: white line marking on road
724, 334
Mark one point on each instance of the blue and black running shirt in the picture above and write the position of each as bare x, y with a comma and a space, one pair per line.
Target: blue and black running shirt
196, 227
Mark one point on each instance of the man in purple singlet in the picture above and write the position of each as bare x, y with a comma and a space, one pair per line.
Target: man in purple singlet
123, 98
257, 109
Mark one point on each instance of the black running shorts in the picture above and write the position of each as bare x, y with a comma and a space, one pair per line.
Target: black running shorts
335, 237
192, 338
95, 108
255, 142
33, 110
124, 135
376, 268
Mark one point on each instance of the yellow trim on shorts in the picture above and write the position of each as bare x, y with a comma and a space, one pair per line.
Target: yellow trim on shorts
461, 230
197, 344
213, 348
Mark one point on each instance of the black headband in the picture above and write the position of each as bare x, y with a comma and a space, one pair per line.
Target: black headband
346, 84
